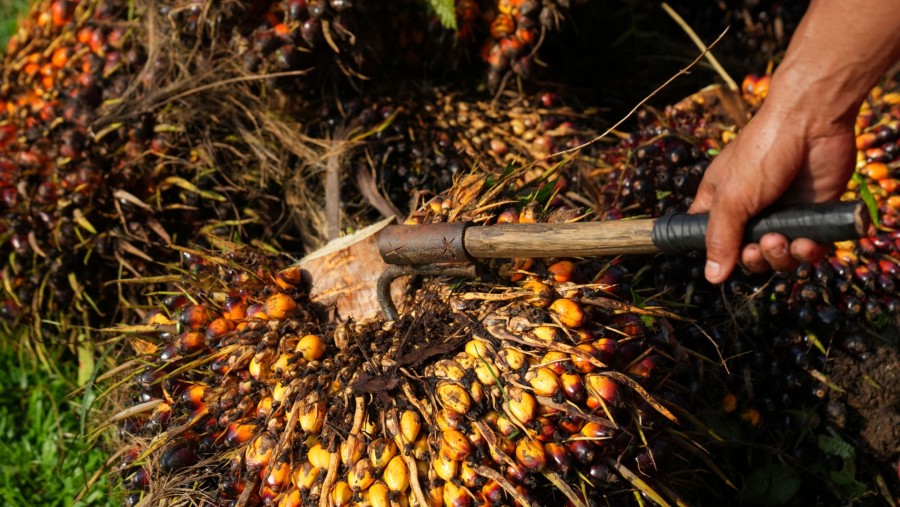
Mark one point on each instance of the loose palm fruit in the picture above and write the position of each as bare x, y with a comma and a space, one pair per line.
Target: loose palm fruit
453, 396
361, 475
562, 271
311, 346
305, 475
445, 467
378, 495
410, 424
341, 494
544, 382
521, 405
568, 312
541, 293
455, 445
279, 306
381, 451
530, 454
396, 475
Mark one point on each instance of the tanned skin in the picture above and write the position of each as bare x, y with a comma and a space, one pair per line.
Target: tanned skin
800, 146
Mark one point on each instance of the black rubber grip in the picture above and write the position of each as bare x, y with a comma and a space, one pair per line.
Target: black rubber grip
823, 223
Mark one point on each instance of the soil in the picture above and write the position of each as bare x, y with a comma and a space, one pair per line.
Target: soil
872, 384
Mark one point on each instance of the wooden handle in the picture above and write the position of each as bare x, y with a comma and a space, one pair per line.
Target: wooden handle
581, 239
456, 242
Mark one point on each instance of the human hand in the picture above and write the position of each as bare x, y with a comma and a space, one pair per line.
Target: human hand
784, 156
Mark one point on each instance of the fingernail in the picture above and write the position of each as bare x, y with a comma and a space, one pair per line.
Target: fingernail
712, 270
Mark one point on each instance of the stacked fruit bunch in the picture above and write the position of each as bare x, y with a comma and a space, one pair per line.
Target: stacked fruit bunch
100, 170
517, 28
662, 164
66, 59
758, 30
779, 329
541, 384
417, 145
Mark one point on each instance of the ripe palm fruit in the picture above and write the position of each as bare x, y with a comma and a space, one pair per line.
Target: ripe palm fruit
425, 139
787, 321
345, 425
99, 173
517, 28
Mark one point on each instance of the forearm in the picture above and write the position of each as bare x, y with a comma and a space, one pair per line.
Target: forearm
836, 55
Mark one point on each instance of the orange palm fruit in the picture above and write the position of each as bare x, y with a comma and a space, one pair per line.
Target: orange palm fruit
455, 445
544, 381
521, 405
279, 306
530, 454
444, 467
361, 475
305, 475
341, 494
410, 424
456, 496
540, 293
569, 312
378, 495
561, 271
396, 475
311, 346
259, 452
453, 396
381, 451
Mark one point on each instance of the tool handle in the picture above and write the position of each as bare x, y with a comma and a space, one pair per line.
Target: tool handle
824, 223
580, 239
457, 242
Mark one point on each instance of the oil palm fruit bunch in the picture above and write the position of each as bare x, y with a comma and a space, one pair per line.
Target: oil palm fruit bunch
517, 28
662, 164
758, 30
788, 333
414, 146
105, 161
64, 61
539, 383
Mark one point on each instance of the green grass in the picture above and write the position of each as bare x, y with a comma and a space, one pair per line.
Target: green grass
10, 10
43, 458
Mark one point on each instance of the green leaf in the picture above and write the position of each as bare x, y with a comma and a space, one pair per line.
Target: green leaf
867, 197
772, 484
446, 12
836, 447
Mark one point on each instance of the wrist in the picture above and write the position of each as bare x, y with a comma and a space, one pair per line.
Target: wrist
808, 94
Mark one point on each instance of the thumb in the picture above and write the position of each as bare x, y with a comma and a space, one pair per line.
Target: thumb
724, 235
